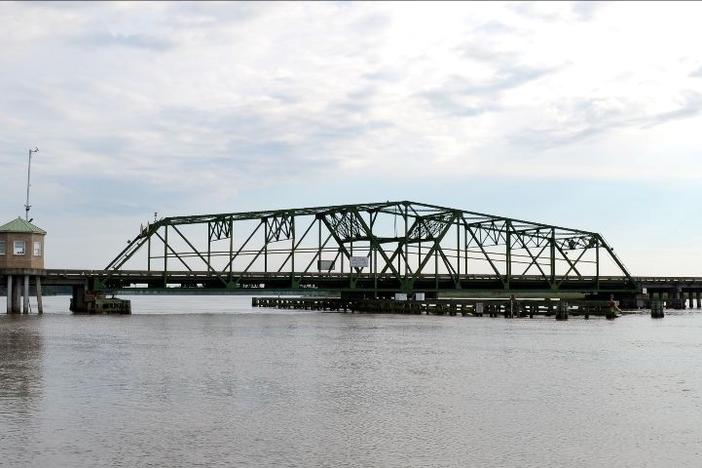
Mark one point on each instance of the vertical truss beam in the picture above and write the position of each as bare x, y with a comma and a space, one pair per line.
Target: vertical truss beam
550, 250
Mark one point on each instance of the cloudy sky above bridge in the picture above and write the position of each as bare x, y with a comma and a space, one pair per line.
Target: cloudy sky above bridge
579, 114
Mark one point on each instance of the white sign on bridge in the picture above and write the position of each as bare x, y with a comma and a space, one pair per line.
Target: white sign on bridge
359, 262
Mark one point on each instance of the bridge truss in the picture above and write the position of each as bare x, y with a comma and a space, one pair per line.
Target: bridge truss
391, 246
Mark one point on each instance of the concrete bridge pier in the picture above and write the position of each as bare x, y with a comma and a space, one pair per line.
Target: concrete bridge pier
78, 299
657, 310
676, 299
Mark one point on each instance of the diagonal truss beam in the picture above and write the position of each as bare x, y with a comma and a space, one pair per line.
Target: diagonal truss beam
371, 230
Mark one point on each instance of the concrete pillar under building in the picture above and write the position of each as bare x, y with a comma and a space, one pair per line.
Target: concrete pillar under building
9, 294
40, 304
25, 295
699, 300
16, 295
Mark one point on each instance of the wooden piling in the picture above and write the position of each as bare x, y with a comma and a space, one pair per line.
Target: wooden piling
610, 313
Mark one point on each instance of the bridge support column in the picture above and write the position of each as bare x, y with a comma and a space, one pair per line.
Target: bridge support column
699, 300
78, 299
674, 300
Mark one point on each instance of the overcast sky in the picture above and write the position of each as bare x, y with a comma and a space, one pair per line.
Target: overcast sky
579, 114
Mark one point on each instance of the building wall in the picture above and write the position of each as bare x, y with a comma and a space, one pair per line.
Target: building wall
28, 260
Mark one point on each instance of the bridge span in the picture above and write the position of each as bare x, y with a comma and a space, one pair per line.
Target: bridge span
372, 250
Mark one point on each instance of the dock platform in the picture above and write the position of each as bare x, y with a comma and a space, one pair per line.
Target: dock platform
508, 308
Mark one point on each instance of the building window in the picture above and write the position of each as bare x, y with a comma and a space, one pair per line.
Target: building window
37, 248
2, 247
20, 247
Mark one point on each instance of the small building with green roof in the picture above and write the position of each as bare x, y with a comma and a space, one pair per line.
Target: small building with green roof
21, 245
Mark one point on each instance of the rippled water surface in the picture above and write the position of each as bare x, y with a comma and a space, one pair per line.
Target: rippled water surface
209, 381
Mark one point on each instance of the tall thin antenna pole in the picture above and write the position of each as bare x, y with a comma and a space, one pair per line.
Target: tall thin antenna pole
27, 206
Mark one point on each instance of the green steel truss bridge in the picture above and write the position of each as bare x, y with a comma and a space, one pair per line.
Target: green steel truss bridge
373, 248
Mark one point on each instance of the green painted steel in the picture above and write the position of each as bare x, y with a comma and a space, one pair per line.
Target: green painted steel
400, 245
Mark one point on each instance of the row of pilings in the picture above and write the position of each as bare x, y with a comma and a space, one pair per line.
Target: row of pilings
508, 308
18, 293
676, 299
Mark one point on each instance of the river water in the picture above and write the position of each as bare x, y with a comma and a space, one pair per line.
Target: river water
209, 381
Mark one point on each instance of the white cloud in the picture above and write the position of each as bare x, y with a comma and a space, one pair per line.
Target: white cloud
221, 97
325, 86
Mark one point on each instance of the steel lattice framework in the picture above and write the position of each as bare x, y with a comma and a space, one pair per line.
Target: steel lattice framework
400, 246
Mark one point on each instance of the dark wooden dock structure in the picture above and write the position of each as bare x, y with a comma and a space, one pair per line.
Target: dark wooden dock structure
509, 308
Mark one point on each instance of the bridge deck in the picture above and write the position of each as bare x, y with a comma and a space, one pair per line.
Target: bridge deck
337, 281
